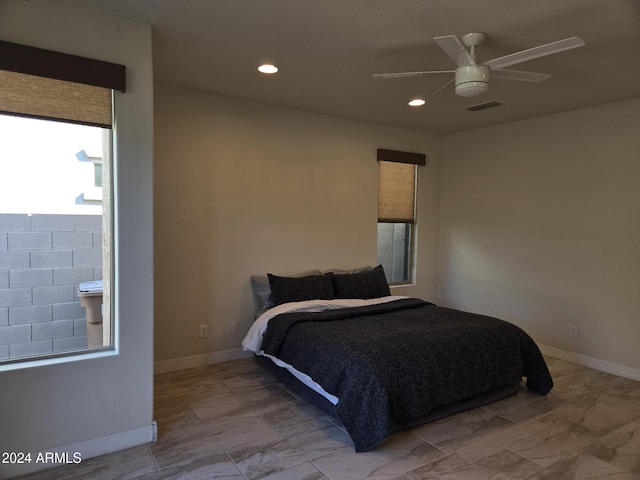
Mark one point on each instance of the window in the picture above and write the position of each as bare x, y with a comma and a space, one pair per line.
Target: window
56, 268
397, 181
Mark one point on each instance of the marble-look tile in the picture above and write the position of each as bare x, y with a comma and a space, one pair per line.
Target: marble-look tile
558, 367
304, 471
313, 425
170, 418
525, 406
399, 454
457, 431
234, 421
585, 379
233, 367
603, 410
201, 467
547, 439
583, 467
243, 401
620, 448
202, 376
189, 393
219, 370
629, 391
289, 414
256, 376
270, 456
187, 378
126, 465
480, 461
220, 407
214, 436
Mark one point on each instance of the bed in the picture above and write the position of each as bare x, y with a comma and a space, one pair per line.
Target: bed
379, 362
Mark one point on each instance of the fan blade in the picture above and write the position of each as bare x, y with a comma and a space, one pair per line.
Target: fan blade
444, 86
517, 75
455, 49
535, 52
409, 74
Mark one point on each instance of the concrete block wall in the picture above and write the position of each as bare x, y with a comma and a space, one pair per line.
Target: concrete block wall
43, 259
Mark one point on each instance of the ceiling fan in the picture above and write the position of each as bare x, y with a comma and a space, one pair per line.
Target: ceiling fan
471, 77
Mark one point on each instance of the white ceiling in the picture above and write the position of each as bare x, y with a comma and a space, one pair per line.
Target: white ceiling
327, 51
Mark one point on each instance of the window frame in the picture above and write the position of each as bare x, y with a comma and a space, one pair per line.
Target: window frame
61, 68
415, 159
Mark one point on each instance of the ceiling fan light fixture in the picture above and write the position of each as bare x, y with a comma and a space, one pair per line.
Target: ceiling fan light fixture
268, 69
471, 89
472, 81
417, 102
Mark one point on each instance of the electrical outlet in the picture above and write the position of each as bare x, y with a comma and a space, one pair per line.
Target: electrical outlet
204, 331
231, 328
573, 331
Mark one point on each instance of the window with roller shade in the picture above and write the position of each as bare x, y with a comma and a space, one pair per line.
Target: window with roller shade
397, 182
56, 222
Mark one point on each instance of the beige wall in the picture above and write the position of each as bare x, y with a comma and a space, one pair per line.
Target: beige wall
540, 225
244, 188
95, 403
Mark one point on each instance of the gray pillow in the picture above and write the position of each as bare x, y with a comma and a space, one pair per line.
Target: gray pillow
261, 291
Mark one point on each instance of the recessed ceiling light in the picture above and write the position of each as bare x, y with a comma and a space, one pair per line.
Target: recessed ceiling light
417, 102
267, 68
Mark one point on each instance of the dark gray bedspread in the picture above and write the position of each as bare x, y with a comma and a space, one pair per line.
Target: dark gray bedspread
401, 359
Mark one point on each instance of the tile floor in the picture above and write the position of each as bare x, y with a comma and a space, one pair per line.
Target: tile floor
234, 421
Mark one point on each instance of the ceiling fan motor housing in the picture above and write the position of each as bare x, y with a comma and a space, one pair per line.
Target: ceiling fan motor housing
472, 80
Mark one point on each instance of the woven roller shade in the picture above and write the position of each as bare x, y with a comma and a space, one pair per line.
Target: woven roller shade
401, 157
39, 97
396, 192
45, 84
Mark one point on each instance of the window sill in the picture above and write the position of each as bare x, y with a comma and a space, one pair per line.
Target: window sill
401, 285
31, 362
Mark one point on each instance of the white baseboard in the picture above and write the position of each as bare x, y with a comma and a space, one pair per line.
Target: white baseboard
590, 362
76, 453
183, 363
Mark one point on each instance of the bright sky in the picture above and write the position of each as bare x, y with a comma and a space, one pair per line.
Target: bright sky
39, 170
